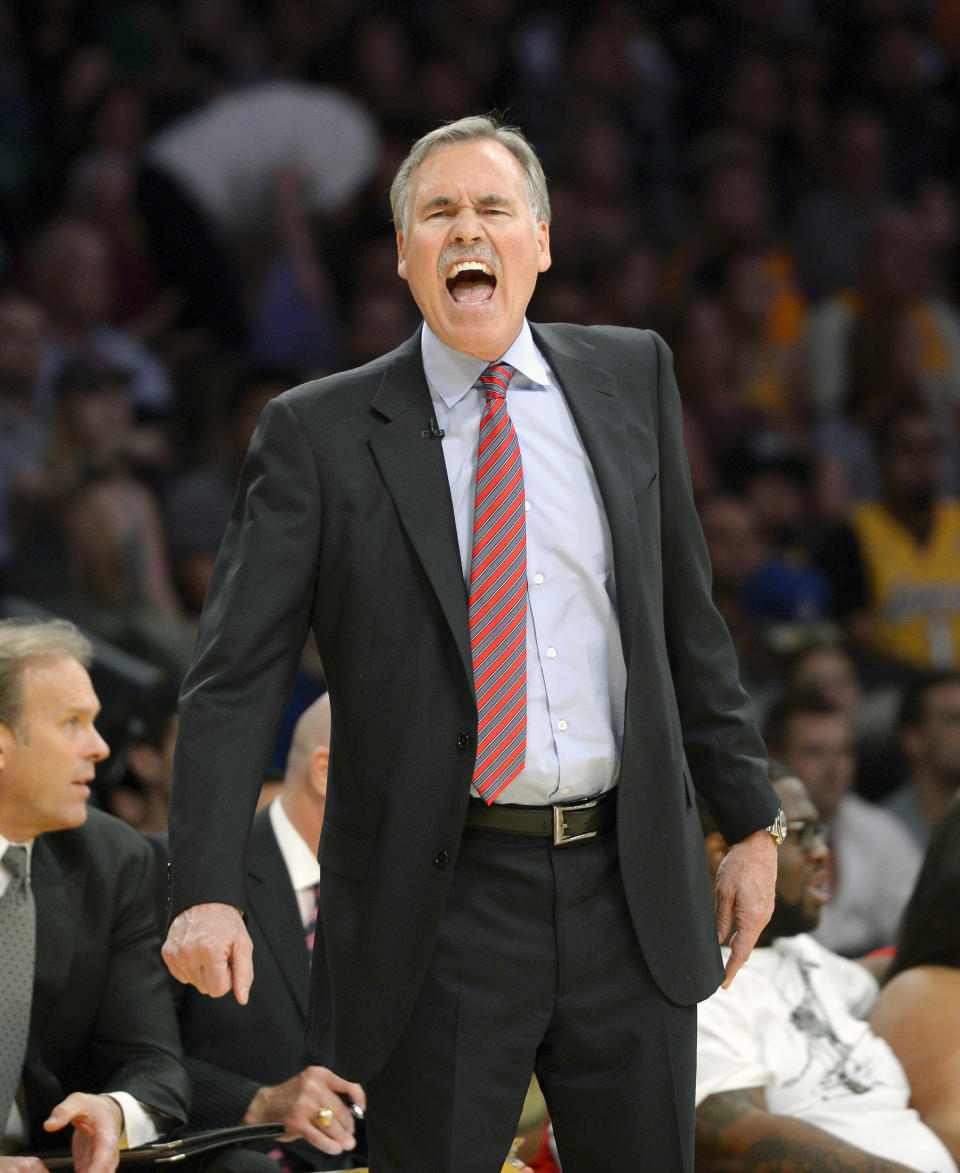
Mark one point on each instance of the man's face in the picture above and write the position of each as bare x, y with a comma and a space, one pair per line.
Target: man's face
819, 750
471, 250
802, 866
46, 765
935, 742
912, 465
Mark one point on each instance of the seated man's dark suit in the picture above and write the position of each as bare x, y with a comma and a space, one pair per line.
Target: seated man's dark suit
102, 1017
231, 1051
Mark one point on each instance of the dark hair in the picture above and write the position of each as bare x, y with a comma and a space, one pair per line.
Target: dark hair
913, 705
794, 703
930, 928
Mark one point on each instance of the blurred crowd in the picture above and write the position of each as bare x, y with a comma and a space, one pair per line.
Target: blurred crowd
193, 217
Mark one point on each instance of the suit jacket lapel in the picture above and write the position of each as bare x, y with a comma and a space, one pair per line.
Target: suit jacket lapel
592, 394
413, 469
58, 882
277, 912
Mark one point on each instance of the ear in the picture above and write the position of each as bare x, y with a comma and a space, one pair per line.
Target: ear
7, 741
319, 763
401, 256
716, 848
543, 240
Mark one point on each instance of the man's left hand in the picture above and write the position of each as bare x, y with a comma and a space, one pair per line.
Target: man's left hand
98, 1126
746, 882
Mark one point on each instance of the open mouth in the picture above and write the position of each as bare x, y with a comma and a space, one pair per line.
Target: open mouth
471, 282
819, 887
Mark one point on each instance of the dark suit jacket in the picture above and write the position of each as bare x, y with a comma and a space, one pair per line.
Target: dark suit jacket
344, 522
230, 1050
102, 1017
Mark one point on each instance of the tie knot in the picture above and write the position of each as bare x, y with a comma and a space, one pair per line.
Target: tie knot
496, 378
15, 861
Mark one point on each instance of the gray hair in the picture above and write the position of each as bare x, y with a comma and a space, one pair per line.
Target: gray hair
477, 126
23, 640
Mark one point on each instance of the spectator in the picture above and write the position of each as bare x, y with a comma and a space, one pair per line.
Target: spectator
929, 729
706, 362
90, 535
788, 1073
828, 668
205, 186
896, 567
893, 293
734, 216
918, 1011
74, 277
197, 503
832, 221
874, 861
769, 603
100, 188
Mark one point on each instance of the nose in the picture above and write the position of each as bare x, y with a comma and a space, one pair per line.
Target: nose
467, 227
819, 846
98, 747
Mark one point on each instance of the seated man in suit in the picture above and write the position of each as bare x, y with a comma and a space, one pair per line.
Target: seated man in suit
250, 1062
88, 1035
789, 1073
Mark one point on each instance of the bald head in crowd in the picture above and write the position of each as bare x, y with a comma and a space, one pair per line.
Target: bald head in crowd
304, 789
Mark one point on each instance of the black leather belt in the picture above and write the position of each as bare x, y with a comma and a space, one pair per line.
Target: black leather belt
563, 823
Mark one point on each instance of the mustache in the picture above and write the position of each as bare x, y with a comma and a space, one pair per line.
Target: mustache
454, 254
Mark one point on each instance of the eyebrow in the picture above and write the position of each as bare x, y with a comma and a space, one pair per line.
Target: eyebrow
491, 199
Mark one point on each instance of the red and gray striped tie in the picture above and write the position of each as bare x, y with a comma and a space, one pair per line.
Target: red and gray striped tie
498, 594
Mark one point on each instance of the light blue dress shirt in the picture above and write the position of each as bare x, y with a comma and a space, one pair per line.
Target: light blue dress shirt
576, 676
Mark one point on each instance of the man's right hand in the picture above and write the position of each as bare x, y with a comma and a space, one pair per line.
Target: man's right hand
297, 1103
209, 947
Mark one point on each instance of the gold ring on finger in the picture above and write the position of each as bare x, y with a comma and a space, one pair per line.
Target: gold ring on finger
323, 1118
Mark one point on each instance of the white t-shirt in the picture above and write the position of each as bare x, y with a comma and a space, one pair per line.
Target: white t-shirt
792, 1024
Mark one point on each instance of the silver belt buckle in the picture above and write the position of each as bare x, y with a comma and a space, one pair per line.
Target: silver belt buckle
560, 832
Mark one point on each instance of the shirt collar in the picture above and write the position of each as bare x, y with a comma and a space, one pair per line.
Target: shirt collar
300, 860
451, 373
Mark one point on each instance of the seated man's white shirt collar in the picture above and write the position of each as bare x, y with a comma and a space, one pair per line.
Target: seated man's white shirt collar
451, 374
302, 865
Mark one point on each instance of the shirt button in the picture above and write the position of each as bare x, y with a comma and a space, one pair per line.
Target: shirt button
565, 790
551, 653
538, 579
561, 725
526, 507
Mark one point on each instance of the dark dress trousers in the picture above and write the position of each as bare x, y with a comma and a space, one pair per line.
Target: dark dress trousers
344, 523
102, 1016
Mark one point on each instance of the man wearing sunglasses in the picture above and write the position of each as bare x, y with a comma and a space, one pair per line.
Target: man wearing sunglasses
789, 1073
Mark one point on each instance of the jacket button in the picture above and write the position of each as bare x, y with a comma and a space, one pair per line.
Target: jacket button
442, 858
464, 741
